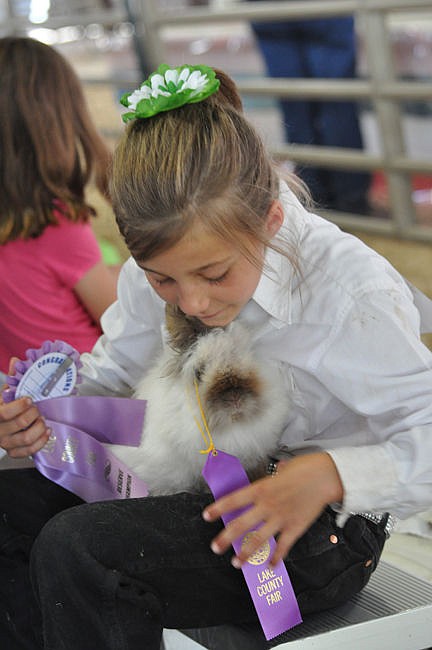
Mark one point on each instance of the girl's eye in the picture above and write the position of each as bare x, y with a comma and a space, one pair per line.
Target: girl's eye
159, 283
217, 280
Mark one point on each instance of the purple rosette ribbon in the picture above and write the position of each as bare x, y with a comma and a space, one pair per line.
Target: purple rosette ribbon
32, 373
269, 587
75, 455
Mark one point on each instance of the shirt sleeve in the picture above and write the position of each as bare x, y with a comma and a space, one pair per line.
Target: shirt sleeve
132, 335
377, 365
71, 251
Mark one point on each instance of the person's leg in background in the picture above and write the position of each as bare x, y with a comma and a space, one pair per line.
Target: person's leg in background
318, 49
27, 502
284, 55
331, 53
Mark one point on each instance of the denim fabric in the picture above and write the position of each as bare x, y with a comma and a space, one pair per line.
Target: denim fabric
27, 502
320, 48
111, 575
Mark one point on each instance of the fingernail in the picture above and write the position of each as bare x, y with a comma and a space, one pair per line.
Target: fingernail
236, 562
215, 548
206, 516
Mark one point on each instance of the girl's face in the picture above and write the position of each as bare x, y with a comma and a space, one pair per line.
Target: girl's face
207, 277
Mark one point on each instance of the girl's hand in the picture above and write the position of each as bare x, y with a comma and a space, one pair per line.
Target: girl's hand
22, 430
286, 504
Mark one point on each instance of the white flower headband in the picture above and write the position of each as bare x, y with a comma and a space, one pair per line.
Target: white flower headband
169, 88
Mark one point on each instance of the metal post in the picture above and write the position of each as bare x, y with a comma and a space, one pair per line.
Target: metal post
146, 13
388, 113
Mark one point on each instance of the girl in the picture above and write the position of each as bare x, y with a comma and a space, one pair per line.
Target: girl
213, 230
54, 282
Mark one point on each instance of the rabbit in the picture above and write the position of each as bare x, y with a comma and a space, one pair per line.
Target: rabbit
243, 399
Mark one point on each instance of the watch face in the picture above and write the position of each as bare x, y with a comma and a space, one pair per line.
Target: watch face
52, 375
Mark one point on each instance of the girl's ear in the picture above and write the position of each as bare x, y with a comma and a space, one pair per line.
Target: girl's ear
274, 219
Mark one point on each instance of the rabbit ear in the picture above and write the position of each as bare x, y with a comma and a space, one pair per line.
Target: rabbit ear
183, 330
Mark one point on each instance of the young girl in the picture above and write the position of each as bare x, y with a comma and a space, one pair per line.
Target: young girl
54, 282
213, 230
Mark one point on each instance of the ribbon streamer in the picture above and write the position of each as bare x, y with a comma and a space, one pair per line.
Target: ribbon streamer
75, 456
269, 587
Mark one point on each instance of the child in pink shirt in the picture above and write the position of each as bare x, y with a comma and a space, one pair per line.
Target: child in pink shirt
40, 289
54, 282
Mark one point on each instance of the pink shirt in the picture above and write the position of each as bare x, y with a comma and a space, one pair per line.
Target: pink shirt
37, 300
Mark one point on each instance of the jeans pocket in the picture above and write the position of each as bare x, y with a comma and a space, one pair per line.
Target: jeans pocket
330, 564
318, 539
366, 538
337, 590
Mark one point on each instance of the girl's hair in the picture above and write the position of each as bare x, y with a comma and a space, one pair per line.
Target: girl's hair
202, 162
49, 146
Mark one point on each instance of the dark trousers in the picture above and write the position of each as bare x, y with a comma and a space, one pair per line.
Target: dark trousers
112, 574
27, 502
320, 48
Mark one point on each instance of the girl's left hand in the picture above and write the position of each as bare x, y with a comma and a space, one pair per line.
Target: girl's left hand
286, 505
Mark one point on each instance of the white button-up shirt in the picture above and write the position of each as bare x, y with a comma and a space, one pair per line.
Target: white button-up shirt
343, 325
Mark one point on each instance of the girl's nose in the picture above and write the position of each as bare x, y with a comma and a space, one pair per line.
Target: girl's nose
192, 300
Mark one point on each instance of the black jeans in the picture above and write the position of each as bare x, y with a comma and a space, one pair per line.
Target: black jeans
27, 502
112, 574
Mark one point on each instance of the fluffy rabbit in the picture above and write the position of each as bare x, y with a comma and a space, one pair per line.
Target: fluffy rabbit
243, 399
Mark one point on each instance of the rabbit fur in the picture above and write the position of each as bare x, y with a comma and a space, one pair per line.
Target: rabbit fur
243, 399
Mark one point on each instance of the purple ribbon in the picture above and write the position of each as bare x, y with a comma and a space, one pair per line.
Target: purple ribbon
74, 456
269, 587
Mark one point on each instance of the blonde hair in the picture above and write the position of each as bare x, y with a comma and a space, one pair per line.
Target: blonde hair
203, 162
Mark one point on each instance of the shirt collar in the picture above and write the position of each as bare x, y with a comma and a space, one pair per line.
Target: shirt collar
274, 290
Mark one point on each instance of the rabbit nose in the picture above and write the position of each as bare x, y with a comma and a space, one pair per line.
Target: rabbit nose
233, 390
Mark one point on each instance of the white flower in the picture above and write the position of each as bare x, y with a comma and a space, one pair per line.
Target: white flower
145, 92
196, 81
173, 75
141, 93
158, 86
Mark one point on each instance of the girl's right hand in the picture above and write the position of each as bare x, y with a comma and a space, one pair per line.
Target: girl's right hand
23, 431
